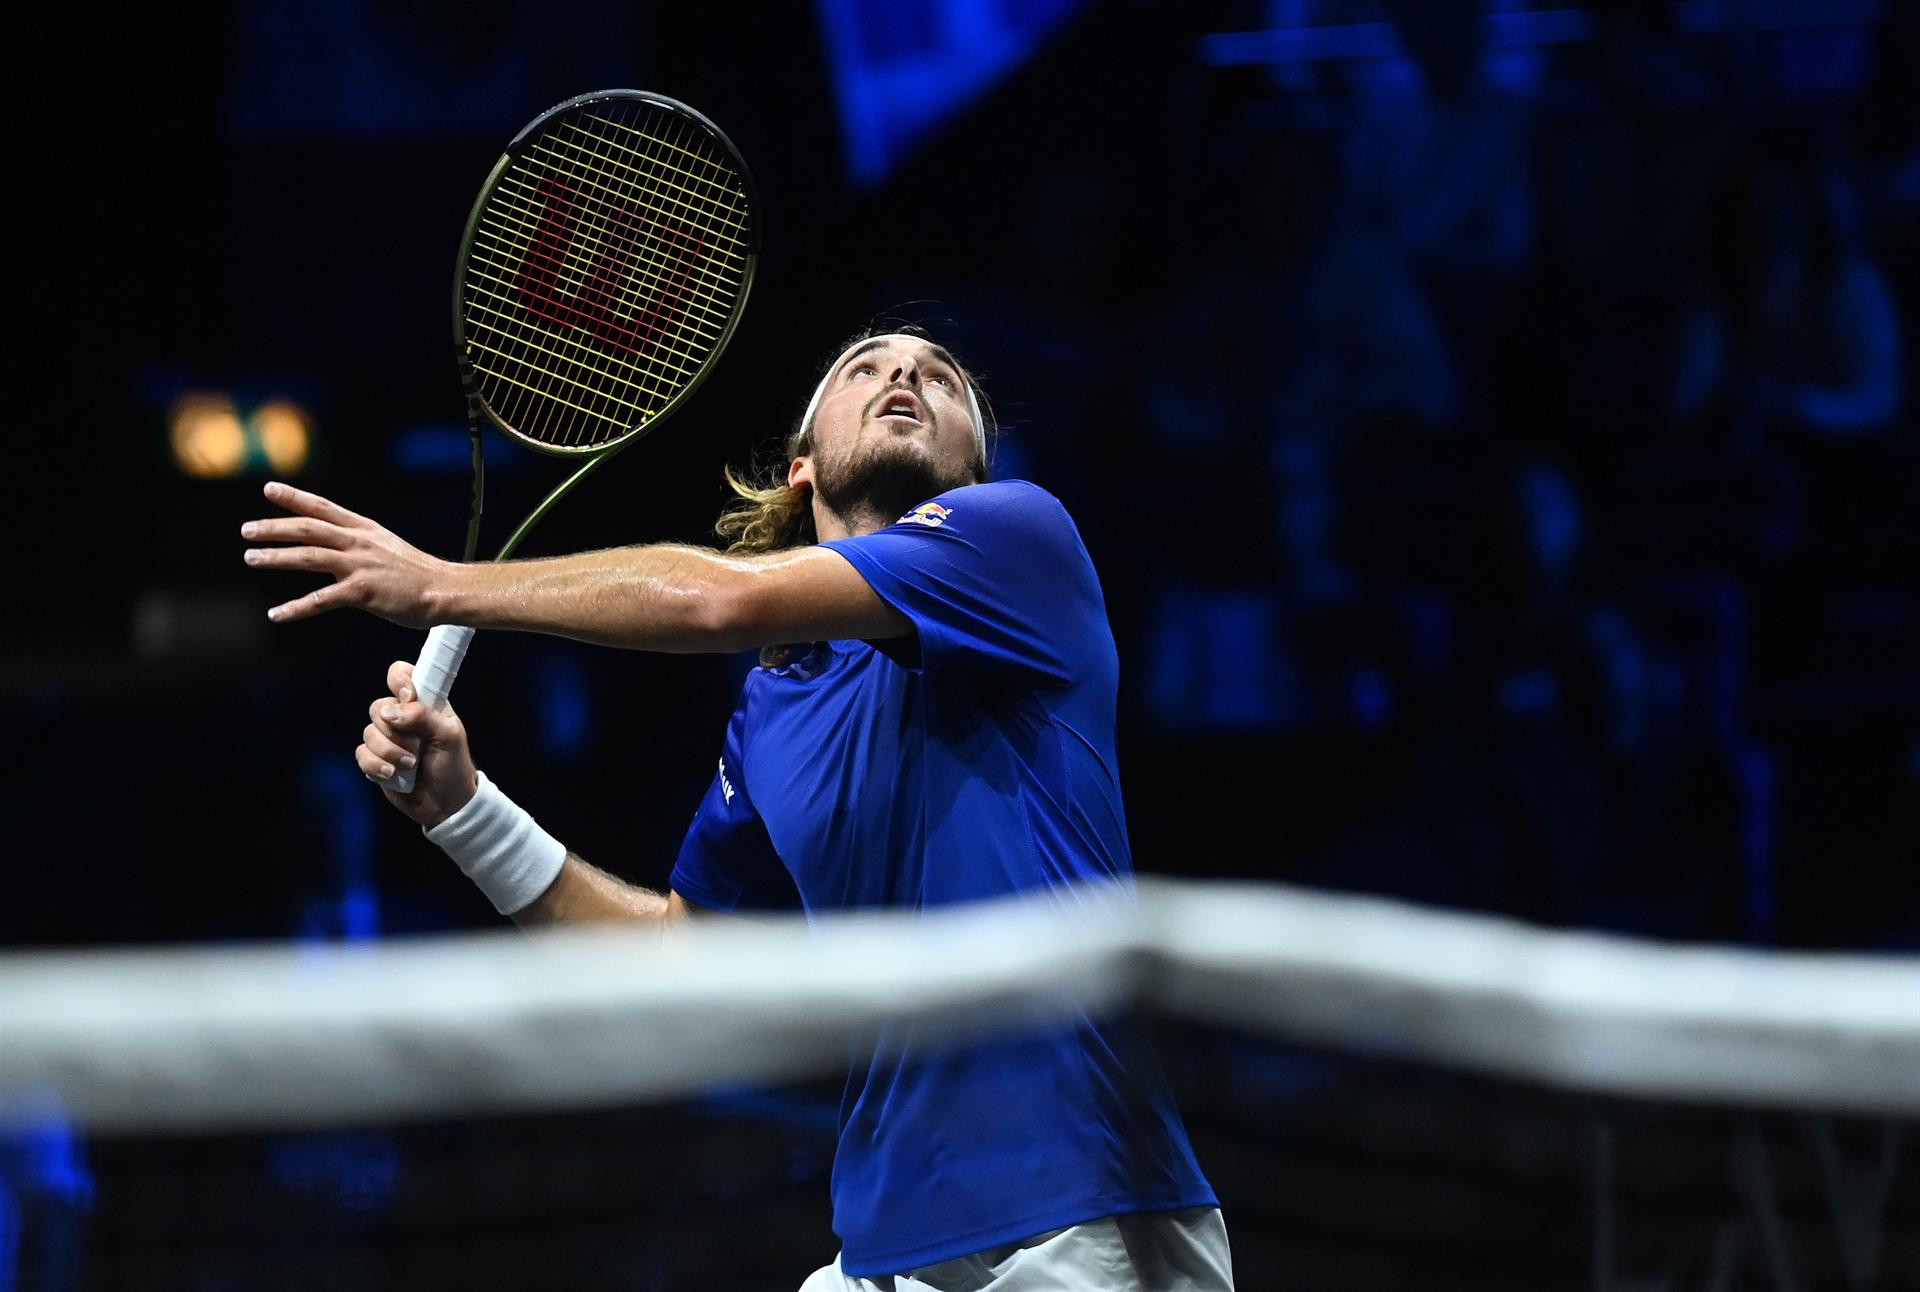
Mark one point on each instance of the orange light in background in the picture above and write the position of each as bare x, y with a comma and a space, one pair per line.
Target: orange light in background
208, 439
282, 430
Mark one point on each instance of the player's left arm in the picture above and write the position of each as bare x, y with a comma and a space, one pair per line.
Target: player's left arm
661, 597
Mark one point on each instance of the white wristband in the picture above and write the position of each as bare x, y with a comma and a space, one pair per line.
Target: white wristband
501, 848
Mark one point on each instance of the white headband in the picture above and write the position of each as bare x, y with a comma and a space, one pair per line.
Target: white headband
813, 405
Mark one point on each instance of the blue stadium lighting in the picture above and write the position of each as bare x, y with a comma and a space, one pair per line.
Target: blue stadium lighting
1307, 43
446, 449
900, 71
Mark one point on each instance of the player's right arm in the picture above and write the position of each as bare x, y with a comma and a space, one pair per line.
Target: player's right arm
402, 732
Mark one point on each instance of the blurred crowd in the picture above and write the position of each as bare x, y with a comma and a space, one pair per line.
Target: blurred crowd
1508, 497
1495, 435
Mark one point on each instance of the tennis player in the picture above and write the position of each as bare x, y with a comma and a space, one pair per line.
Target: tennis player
933, 722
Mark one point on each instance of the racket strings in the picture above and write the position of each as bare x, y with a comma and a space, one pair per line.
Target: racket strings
604, 269
704, 232
726, 185
691, 203
510, 301
591, 230
659, 376
652, 173
526, 239
505, 306
605, 221
607, 192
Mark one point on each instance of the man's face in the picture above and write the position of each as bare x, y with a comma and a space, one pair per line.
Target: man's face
894, 427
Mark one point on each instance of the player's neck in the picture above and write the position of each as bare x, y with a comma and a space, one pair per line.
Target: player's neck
858, 520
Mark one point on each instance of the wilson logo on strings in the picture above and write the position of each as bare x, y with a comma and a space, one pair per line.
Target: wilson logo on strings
599, 266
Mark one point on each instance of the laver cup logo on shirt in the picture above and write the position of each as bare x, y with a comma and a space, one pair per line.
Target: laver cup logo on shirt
931, 514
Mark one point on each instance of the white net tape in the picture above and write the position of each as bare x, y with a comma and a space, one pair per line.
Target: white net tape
313, 1036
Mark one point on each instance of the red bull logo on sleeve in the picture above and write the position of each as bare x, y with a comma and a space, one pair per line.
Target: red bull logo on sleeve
930, 514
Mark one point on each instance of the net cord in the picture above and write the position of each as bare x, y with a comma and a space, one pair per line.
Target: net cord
313, 1036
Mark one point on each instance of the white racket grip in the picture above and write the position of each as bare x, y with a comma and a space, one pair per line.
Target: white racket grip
433, 675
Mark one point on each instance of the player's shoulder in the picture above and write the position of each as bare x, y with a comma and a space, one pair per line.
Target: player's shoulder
1013, 502
1007, 493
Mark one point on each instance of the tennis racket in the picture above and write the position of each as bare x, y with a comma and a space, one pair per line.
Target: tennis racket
603, 270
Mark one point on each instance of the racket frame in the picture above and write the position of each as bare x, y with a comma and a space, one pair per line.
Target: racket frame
477, 406
446, 645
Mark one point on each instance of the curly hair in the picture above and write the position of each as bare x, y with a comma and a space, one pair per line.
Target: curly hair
769, 515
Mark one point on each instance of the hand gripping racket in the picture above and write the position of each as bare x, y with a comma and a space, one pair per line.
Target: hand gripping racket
603, 270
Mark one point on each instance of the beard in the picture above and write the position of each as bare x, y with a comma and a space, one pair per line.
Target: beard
880, 479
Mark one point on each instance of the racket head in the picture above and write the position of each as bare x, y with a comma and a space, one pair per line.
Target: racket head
604, 268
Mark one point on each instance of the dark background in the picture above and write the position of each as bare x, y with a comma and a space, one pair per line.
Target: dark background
1493, 434
1493, 425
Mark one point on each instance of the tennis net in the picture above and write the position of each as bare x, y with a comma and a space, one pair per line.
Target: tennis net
1384, 1096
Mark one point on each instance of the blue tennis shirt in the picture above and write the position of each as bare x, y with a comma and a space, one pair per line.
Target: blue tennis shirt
972, 759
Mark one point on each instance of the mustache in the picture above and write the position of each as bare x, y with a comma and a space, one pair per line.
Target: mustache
873, 408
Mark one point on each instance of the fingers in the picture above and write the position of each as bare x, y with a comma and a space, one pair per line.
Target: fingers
379, 754
372, 766
311, 504
393, 733
297, 558
320, 527
411, 722
398, 729
400, 680
296, 529
379, 770
317, 602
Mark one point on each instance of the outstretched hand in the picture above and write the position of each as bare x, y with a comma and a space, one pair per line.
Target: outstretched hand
373, 568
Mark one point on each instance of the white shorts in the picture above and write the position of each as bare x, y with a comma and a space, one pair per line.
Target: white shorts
1148, 1251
